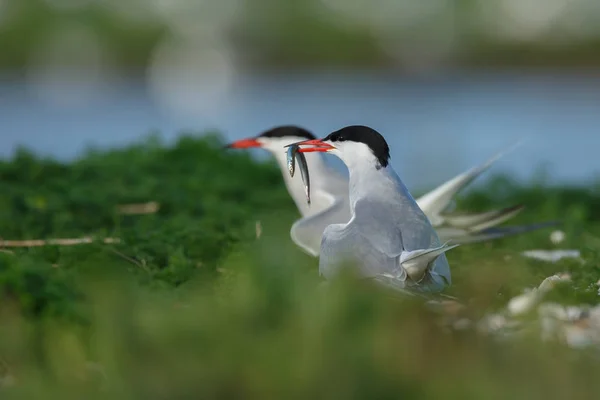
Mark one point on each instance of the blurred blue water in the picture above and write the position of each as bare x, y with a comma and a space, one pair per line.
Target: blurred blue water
436, 127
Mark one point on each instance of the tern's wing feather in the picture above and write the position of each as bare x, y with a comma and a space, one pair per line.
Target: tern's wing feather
386, 229
462, 236
350, 244
379, 236
371, 241
306, 232
475, 222
354, 245
417, 262
382, 225
436, 201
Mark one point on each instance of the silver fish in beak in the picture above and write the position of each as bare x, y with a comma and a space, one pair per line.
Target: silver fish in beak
291, 159
304, 173
292, 154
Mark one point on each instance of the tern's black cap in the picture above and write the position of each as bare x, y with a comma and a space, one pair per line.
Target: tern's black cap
288, 131
366, 135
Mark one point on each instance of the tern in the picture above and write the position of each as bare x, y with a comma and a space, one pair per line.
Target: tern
388, 236
330, 203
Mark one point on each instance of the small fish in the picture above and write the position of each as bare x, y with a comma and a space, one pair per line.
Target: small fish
292, 154
304, 173
292, 151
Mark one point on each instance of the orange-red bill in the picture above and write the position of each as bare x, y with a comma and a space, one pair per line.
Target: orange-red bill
318, 144
243, 144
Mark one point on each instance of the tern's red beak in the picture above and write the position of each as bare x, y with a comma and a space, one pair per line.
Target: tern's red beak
318, 144
243, 144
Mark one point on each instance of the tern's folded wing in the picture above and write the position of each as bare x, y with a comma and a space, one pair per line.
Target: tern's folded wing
351, 244
475, 222
463, 236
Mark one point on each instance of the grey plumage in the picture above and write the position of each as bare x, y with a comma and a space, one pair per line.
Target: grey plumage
388, 234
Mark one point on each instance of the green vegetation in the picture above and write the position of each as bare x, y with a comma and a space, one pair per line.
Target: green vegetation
192, 304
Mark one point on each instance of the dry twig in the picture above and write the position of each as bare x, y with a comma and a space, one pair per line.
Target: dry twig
258, 228
55, 242
139, 208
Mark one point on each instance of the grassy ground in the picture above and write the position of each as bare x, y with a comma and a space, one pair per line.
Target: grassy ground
191, 304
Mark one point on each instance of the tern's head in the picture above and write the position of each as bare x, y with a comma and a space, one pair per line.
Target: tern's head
274, 139
354, 144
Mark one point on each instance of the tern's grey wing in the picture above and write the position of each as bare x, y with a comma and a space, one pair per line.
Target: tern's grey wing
307, 232
394, 227
372, 237
375, 239
349, 244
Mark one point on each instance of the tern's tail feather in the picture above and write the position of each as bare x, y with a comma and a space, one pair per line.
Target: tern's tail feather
461, 236
417, 262
436, 201
475, 222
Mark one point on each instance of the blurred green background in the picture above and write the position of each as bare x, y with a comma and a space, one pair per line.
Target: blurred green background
206, 296
315, 33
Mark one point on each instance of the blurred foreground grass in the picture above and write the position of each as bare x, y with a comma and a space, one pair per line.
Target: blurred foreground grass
191, 304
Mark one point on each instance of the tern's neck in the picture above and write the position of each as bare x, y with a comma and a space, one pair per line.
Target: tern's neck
295, 186
366, 180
